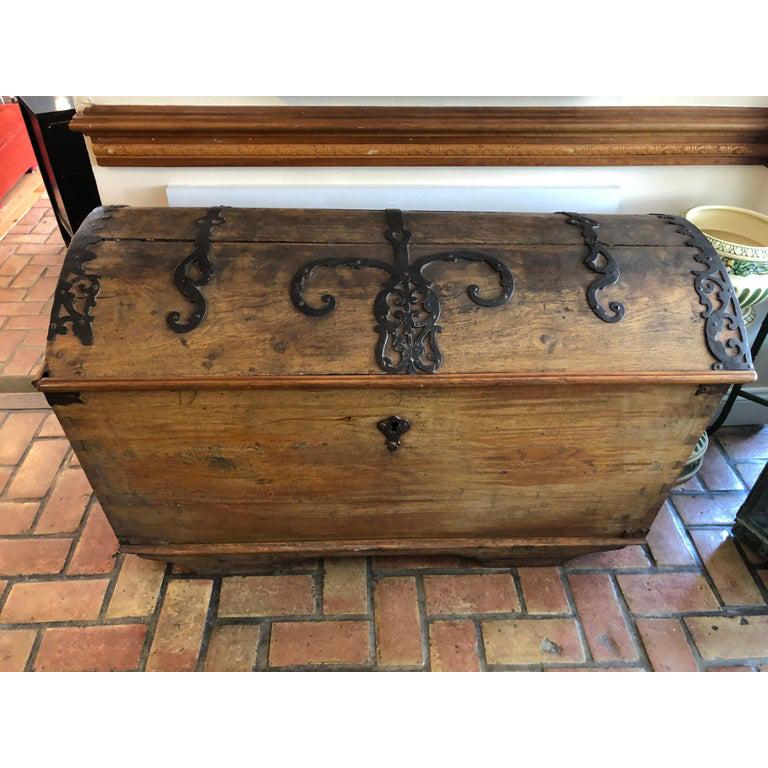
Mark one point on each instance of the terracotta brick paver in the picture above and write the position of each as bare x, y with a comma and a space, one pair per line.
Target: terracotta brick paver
47, 601
628, 557
543, 590
17, 516
398, 625
16, 433
668, 540
730, 637
452, 646
301, 643
31, 256
716, 474
37, 469
604, 624
666, 646
233, 648
691, 599
25, 557
65, 507
728, 571
709, 509
97, 547
266, 595
667, 593
15, 647
179, 632
491, 593
530, 641
345, 586
114, 648
137, 589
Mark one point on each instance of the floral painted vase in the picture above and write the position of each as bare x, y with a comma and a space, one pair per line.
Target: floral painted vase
740, 237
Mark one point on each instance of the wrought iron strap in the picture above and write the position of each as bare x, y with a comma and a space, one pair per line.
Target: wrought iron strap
78, 286
724, 327
600, 260
198, 261
407, 308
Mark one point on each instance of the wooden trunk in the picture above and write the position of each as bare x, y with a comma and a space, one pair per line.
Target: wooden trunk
511, 387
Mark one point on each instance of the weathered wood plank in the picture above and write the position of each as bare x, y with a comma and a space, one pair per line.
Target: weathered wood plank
255, 433
296, 225
252, 327
248, 466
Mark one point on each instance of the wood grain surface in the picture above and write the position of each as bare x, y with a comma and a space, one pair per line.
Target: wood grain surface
240, 466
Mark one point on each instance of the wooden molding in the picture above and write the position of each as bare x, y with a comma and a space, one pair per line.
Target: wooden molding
526, 549
389, 381
384, 136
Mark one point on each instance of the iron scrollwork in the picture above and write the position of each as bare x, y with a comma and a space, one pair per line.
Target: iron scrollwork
200, 261
407, 308
78, 286
600, 260
724, 328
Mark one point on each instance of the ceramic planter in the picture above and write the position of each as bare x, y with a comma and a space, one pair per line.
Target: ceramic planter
740, 237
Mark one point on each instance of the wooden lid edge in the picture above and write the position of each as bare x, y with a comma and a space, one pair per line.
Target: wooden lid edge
45, 384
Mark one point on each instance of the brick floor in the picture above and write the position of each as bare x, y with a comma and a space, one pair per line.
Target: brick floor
692, 599
31, 255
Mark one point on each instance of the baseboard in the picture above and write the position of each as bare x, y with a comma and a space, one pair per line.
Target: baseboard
746, 412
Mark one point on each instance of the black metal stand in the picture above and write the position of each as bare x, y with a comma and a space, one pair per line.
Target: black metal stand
751, 526
736, 389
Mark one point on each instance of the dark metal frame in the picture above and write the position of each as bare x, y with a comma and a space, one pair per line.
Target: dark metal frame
63, 160
751, 524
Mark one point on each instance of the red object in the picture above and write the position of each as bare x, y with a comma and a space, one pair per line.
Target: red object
16, 154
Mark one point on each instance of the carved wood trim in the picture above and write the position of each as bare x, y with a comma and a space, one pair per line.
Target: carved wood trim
155, 135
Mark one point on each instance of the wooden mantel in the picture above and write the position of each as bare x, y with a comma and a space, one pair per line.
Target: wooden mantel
385, 136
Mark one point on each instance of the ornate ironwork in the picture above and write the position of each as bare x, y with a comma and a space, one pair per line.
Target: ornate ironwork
78, 286
200, 261
407, 308
63, 398
724, 327
600, 260
393, 429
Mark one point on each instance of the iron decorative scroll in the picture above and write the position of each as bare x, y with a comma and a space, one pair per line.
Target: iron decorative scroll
199, 260
407, 308
724, 328
78, 285
608, 269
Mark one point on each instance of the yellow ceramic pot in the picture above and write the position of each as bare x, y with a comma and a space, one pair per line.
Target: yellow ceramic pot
740, 236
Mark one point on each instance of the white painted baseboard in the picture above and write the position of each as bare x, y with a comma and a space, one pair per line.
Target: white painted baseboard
409, 197
747, 412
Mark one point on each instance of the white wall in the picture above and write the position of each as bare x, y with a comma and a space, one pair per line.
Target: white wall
440, 101
660, 189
